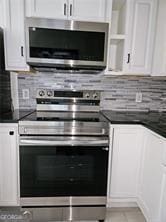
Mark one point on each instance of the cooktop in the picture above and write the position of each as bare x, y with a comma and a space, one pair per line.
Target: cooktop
65, 116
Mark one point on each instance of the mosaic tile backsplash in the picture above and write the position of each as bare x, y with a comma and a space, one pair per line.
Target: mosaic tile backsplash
118, 92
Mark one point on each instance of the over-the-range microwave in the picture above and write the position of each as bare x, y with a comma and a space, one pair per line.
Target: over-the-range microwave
66, 44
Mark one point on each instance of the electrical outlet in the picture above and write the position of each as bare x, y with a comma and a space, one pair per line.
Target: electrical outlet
25, 93
138, 97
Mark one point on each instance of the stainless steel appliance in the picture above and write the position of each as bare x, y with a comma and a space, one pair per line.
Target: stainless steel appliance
64, 157
66, 44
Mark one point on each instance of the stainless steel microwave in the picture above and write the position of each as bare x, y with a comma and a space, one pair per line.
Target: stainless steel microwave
66, 44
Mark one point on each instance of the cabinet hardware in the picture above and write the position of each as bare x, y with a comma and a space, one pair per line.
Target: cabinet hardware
105, 149
11, 133
128, 58
65, 7
22, 51
71, 9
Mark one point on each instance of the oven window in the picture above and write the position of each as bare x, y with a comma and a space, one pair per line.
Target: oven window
66, 44
63, 171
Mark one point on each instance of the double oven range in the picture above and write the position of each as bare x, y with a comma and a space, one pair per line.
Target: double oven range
64, 157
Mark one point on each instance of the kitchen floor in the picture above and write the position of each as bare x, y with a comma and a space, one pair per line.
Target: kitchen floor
125, 215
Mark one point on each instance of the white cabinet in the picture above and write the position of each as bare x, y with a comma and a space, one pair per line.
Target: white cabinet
1, 13
163, 197
126, 152
48, 9
92, 10
14, 35
159, 59
132, 35
141, 33
137, 170
9, 165
151, 177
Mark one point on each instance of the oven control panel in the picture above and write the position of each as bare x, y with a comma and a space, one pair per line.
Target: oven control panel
54, 94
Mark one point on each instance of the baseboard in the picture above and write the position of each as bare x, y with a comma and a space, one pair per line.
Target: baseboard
122, 202
144, 209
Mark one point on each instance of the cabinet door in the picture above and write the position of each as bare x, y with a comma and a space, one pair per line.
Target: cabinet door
126, 147
159, 59
14, 35
2, 14
47, 8
90, 10
163, 197
140, 38
151, 176
8, 166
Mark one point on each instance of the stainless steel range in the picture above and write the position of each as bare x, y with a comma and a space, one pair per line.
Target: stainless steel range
64, 157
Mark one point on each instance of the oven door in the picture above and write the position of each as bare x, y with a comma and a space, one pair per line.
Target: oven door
63, 170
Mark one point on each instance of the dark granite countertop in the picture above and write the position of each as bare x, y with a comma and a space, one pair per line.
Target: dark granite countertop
15, 116
155, 121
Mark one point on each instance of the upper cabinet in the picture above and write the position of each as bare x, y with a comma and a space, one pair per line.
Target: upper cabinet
140, 41
14, 35
159, 59
90, 10
133, 25
47, 9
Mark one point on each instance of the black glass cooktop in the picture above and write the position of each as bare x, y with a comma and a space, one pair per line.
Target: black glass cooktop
65, 116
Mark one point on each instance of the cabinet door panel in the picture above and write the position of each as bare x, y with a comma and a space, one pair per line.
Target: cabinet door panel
140, 34
125, 162
14, 36
47, 9
92, 10
8, 167
159, 61
151, 175
141, 39
163, 197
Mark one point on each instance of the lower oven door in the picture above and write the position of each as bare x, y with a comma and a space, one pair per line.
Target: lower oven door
63, 170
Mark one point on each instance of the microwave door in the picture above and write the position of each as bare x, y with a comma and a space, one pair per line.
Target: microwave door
52, 47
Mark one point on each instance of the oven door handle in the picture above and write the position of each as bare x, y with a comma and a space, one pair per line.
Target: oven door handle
40, 142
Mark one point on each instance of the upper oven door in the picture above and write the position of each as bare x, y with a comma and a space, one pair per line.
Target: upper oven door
63, 167
60, 43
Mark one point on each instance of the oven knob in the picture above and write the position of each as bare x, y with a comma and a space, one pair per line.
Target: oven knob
95, 96
87, 95
49, 93
41, 93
